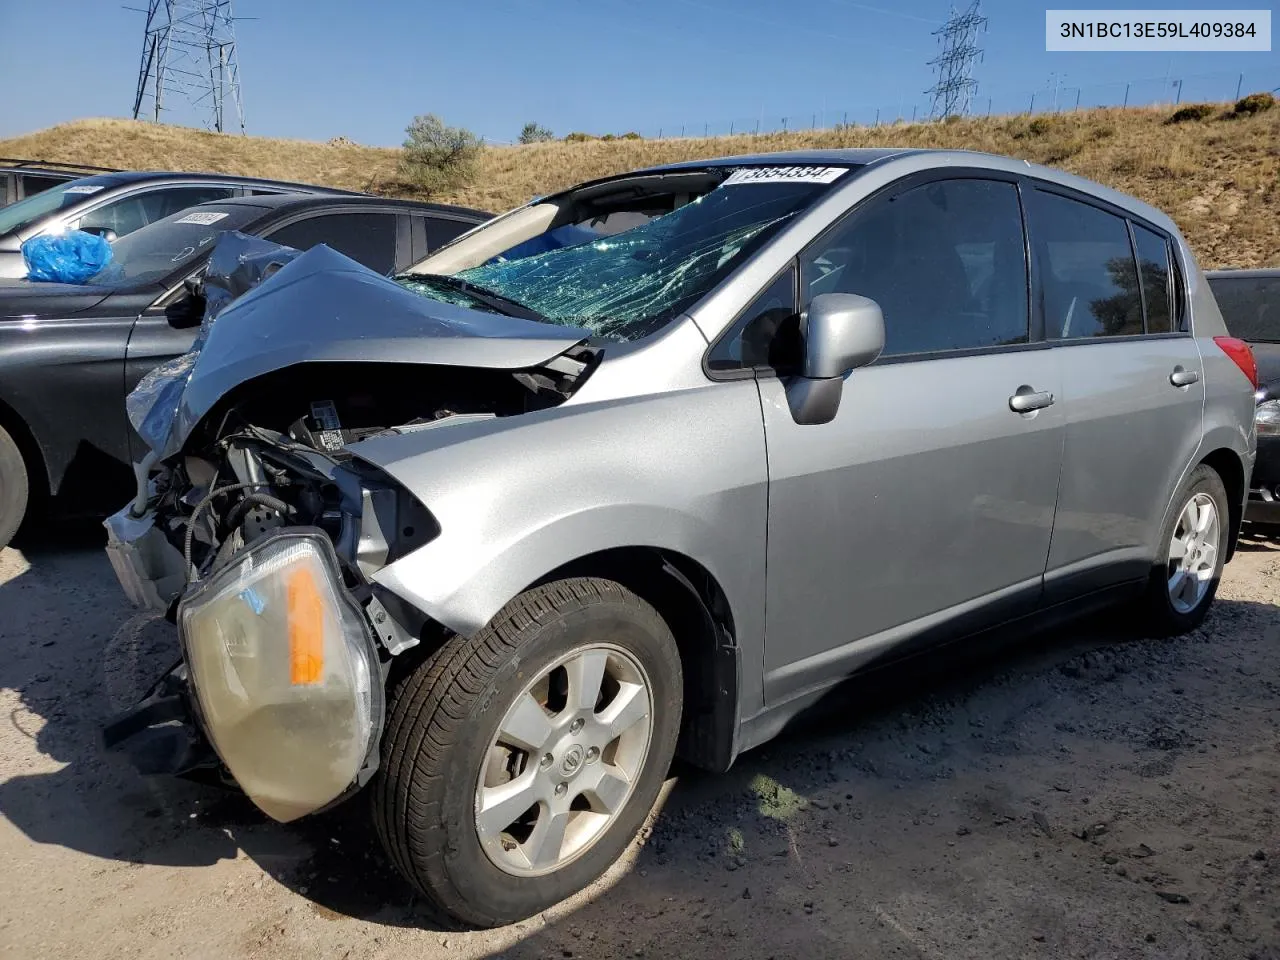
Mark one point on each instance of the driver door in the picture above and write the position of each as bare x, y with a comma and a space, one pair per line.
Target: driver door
924, 508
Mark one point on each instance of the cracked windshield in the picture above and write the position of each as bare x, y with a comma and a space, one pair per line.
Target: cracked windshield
626, 285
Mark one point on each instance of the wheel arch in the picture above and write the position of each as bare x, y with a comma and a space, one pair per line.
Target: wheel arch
694, 605
1226, 463
32, 454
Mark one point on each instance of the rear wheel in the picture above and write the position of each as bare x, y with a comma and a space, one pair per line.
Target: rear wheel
1194, 542
518, 764
14, 488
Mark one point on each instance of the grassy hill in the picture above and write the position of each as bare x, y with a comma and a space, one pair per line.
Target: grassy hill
1219, 177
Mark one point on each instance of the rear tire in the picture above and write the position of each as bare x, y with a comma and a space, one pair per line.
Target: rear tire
14, 488
583, 673
1185, 579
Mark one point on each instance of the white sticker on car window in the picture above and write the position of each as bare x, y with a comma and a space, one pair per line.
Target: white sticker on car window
204, 218
83, 188
803, 174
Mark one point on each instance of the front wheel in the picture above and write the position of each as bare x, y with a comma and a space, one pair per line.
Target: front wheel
1193, 551
518, 764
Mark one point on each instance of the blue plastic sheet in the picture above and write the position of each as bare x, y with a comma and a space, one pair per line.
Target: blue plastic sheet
71, 257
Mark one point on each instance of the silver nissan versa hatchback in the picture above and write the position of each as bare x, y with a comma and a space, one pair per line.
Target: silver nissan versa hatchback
644, 468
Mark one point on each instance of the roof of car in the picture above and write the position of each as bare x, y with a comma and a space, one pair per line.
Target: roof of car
856, 156
175, 176
1266, 273
273, 201
939, 158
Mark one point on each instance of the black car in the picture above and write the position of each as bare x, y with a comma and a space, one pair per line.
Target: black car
70, 353
115, 204
20, 178
1250, 305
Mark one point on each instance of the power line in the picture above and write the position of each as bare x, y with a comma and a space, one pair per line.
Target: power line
189, 51
954, 65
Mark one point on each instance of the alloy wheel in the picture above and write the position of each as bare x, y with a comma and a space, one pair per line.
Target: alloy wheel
564, 760
1193, 553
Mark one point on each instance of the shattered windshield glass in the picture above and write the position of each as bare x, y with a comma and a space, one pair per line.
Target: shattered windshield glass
629, 284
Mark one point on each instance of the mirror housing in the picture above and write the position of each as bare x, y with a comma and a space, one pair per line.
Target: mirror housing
841, 332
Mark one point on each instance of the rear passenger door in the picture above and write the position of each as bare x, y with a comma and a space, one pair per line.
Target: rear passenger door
369, 237
1131, 388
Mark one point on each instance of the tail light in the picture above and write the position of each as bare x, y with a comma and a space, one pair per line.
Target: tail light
1241, 355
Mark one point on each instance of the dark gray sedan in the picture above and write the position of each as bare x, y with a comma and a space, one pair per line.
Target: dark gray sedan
115, 204
69, 353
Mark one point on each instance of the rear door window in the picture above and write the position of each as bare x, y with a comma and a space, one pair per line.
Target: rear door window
441, 231
1250, 306
33, 183
367, 237
1088, 275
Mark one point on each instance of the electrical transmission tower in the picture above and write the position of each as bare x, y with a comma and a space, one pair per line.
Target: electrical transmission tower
189, 51
954, 65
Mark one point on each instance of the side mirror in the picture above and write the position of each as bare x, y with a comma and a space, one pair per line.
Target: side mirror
106, 233
841, 332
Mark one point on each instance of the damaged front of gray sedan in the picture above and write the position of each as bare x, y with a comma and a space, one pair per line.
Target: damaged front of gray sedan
443, 531
622, 475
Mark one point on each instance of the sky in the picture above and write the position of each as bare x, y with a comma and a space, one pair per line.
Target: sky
315, 69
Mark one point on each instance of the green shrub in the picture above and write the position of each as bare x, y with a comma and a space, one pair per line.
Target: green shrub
1193, 111
609, 136
535, 133
578, 137
1254, 103
438, 158
631, 135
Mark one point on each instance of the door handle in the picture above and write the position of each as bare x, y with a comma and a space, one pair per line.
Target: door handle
1027, 400
1183, 378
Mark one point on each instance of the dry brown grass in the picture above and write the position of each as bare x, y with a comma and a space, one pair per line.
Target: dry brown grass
1218, 178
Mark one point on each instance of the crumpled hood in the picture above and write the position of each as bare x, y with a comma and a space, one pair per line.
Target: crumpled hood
25, 298
320, 306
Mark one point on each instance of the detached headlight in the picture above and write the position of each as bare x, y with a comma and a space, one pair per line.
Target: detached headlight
284, 673
1267, 418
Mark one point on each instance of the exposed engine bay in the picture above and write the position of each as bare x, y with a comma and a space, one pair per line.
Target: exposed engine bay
272, 454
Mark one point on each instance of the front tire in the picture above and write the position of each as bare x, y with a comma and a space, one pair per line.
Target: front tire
1193, 551
518, 764
14, 488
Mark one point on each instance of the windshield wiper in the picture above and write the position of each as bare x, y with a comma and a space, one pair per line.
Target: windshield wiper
490, 298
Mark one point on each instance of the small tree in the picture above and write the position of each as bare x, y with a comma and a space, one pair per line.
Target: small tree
533, 132
438, 158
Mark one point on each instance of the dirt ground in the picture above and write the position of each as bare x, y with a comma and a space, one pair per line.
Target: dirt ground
1084, 795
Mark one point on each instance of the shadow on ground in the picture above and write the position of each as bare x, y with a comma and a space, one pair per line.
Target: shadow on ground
723, 849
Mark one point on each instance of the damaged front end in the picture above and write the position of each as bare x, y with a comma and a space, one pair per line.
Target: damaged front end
257, 528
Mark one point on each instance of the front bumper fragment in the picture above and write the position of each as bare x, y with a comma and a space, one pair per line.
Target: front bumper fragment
159, 734
150, 569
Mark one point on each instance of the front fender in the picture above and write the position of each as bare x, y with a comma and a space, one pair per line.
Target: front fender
462, 584
516, 498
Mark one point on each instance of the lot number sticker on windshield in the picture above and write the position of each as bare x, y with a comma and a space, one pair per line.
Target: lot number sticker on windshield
785, 175
202, 218
83, 188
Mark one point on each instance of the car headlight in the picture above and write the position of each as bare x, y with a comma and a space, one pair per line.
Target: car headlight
1267, 418
284, 672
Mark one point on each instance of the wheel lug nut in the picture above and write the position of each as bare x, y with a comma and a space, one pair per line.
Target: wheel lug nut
593, 754
576, 725
561, 788
547, 760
